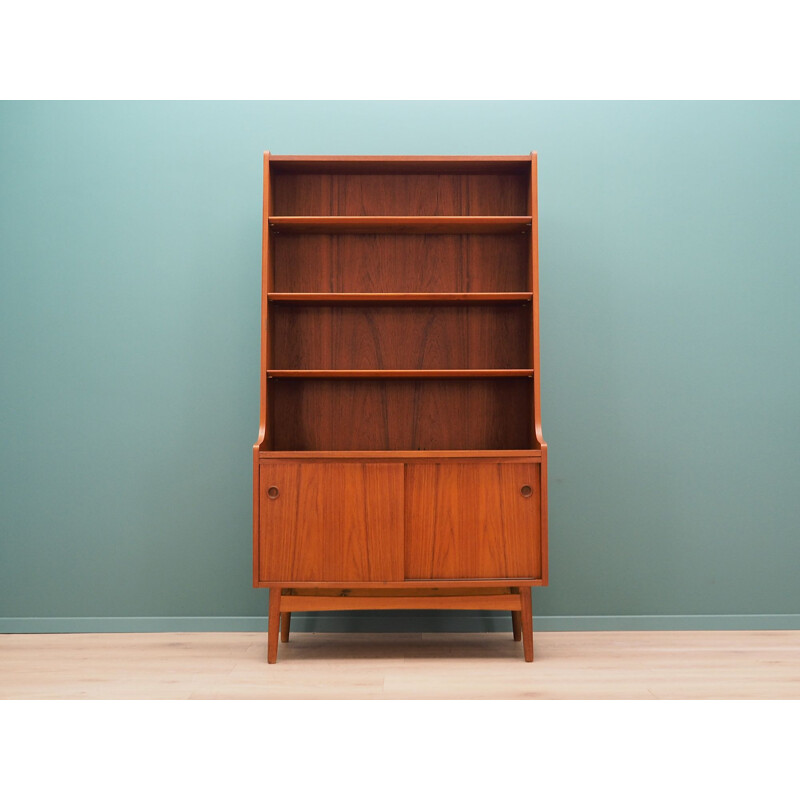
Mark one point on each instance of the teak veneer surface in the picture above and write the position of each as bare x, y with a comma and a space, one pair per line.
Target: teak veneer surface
403, 225
438, 591
471, 521
429, 584
334, 522
401, 263
400, 387
401, 165
401, 337
409, 374
399, 298
401, 414
469, 456
400, 195
484, 602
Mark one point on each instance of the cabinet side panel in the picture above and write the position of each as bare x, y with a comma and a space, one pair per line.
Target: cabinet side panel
263, 418
533, 208
472, 521
331, 522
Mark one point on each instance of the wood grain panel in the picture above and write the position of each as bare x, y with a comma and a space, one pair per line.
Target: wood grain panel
533, 206
407, 374
408, 263
408, 583
497, 602
472, 521
400, 337
331, 522
493, 456
273, 624
393, 194
266, 286
437, 591
401, 414
526, 619
400, 298
403, 225
402, 165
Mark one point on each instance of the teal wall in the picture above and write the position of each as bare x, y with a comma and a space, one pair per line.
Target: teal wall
670, 321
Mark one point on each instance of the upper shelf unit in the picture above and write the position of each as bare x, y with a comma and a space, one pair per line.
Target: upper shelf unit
399, 300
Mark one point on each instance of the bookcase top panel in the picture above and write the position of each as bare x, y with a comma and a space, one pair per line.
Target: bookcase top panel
402, 164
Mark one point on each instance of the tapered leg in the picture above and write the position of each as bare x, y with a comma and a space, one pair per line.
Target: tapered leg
273, 624
516, 625
286, 620
526, 615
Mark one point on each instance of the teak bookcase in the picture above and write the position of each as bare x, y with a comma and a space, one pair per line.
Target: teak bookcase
400, 462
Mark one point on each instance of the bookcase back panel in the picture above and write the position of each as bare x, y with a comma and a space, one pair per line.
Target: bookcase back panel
388, 194
401, 414
401, 337
401, 263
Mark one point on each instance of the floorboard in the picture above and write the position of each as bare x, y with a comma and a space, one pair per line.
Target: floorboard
573, 665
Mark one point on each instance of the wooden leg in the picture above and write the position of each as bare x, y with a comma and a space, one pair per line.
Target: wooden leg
527, 622
286, 620
273, 624
516, 625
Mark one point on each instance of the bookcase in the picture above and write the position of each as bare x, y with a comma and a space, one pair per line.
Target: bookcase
400, 462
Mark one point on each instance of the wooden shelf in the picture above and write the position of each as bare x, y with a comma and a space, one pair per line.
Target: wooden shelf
403, 165
402, 455
411, 224
375, 298
411, 374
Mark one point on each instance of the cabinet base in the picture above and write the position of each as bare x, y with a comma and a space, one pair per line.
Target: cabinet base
283, 601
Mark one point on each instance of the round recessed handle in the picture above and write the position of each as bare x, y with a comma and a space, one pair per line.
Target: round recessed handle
526, 491
273, 492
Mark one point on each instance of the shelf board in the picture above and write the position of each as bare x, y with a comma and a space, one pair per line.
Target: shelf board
375, 298
386, 224
403, 455
411, 374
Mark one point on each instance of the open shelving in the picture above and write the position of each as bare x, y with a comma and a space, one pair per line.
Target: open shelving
398, 305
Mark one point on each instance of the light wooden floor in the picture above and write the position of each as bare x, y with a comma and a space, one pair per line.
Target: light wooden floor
647, 665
